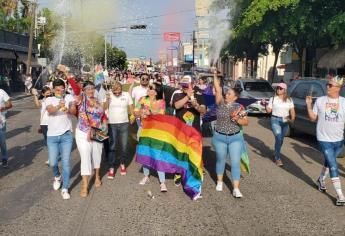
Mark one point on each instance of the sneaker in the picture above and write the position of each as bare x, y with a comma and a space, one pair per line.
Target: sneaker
340, 200
197, 197
236, 193
144, 180
4, 163
65, 195
163, 188
123, 170
321, 185
57, 183
177, 180
279, 162
111, 173
219, 186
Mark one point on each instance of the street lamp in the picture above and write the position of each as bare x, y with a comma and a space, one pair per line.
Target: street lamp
133, 27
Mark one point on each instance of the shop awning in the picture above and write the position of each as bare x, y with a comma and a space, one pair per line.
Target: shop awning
334, 58
24, 59
6, 54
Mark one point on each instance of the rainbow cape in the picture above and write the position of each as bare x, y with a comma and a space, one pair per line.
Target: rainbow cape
167, 144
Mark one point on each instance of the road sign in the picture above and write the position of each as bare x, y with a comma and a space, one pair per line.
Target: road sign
172, 36
171, 48
138, 26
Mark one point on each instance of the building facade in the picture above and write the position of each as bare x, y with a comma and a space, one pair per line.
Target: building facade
13, 60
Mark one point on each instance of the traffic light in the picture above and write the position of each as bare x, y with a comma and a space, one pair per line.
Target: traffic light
138, 26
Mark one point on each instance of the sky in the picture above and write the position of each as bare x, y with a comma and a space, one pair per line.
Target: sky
159, 15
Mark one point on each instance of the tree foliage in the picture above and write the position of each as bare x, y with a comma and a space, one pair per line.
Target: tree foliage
298, 23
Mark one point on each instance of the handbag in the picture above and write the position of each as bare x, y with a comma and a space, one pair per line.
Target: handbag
97, 134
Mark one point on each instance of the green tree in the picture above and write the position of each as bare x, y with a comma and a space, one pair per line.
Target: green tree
116, 58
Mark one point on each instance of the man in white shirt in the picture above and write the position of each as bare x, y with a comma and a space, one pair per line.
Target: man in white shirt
118, 103
5, 104
329, 112
60, 108
139, 92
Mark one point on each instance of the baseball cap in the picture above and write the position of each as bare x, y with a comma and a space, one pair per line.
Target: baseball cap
282, 85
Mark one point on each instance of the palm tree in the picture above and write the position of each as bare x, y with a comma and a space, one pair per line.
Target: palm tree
8, 7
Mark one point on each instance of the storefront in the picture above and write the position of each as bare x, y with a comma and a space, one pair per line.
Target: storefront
13, 60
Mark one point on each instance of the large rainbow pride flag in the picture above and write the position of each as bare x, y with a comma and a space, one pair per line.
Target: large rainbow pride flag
167, 144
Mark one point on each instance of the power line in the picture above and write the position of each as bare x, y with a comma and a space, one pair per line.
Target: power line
162, 15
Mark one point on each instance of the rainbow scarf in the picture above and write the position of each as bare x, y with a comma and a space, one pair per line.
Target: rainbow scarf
167, 144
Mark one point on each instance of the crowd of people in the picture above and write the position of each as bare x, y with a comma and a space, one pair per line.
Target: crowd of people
105, 112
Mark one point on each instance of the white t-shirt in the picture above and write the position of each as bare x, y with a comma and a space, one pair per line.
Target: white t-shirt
331, 119
279, 107
139, 92
60, 122
3, 99
44, 112
118, 108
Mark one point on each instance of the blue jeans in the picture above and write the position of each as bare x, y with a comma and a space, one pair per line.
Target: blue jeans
228, 146
161, 175
3, 146
61, 147
330, 151
279, 129
118, 133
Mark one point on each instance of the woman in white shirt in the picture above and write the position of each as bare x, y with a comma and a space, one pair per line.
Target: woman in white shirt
282, 108
119, 103
40, 101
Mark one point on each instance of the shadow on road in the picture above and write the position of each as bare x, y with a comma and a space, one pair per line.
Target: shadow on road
17, 131
22, 156
12, 113
210, 159
289, 166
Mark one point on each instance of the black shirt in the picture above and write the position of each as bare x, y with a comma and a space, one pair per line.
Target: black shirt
188, 113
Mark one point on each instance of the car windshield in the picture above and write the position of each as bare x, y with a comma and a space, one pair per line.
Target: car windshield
258, 86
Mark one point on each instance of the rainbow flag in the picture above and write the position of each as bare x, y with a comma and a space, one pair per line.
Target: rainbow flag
167, 144
99, 75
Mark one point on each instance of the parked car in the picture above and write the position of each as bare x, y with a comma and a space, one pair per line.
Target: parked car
298, 90
258, 89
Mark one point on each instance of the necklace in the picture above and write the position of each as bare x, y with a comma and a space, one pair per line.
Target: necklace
335, 108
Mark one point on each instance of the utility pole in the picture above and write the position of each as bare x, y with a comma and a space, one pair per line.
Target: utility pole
31, 37
193, 48
105, 51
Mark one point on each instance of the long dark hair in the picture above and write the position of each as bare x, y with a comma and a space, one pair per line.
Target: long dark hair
159, 90
43, 91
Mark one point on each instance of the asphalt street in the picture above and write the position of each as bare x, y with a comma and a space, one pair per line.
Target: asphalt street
277, 201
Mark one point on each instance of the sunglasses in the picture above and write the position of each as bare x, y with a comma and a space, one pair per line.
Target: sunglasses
152, 88
331, 85
145, 79
184, 85
280, 88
